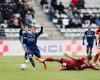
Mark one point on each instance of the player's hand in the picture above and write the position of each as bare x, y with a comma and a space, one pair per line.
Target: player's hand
42, 23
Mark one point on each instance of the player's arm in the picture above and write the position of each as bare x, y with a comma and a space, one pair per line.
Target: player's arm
69, 56
84, 37
41, 30
20, 34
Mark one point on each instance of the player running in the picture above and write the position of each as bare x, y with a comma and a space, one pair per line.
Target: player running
31, 43
73, 64
96, 58
89, 35
23, 39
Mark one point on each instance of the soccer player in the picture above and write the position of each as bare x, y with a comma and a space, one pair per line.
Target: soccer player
89, 35
73, 64
23, 32
31, 43
96, 58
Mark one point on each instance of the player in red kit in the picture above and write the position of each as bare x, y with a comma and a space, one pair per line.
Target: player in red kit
70, 64
96, 58
98, 31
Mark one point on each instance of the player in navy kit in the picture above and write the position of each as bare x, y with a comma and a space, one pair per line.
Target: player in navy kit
31, 43
23, 39
89, 35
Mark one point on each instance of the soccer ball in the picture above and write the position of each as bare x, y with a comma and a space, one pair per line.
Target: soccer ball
23, 66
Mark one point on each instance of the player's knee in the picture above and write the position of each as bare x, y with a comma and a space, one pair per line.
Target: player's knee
30, 56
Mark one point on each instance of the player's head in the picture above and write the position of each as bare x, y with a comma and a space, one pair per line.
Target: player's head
33, 29
26, 28
89, 27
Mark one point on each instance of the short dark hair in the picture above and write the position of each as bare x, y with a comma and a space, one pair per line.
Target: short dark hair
33, 27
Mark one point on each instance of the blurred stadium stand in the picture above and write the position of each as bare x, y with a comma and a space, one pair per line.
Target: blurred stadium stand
53, 30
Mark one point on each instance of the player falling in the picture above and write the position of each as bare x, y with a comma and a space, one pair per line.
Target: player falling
96, 58
89, 35
23, 39
31, 43
73, 64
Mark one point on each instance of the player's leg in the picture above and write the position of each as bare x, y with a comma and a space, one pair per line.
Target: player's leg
48, 59
96, 57
90, 52
38, 55
30, 55
87, 50
26, 55
91, 47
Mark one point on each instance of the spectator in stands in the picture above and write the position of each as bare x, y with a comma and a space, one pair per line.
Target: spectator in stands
75, 2
51, 15
81, 4
33, 21
24, 8
70, 13
76, 21
5, 24
2, 1
31, 10
54, 5
16, 23
76, 11
61, 8
43, 2
26, 20
88, 18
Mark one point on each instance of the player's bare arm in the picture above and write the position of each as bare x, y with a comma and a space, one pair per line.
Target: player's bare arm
65, 54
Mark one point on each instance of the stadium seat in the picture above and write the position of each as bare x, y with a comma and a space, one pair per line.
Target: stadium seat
65, 22
55, 20
63, 30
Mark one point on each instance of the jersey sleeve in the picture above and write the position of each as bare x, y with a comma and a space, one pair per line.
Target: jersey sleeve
94, 35
84, 35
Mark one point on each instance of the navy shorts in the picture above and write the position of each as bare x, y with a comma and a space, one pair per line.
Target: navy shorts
90, 45
35, 52
24, 46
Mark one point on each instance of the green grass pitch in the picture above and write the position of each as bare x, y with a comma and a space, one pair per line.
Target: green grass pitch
10, 70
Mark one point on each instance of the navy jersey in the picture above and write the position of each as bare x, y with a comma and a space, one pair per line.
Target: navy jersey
90, 36
31, 42
24, 37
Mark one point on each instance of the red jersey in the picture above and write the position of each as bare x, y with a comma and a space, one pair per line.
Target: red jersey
84, 64
98, 31
73, 64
